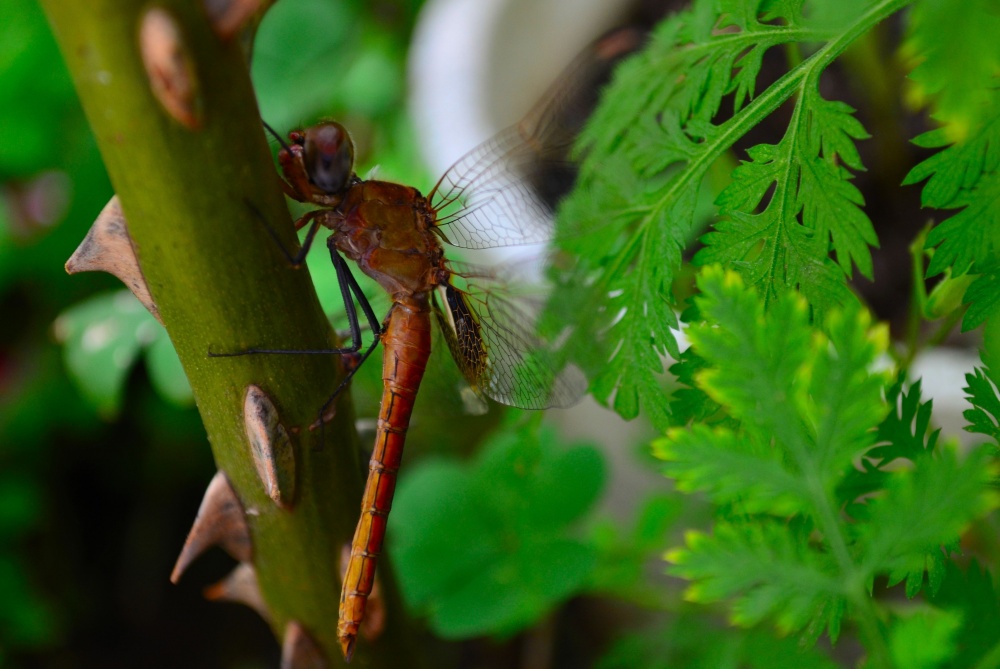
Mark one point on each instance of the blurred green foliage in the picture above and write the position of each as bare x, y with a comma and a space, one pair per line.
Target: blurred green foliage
505, 549
103, 337
43, 139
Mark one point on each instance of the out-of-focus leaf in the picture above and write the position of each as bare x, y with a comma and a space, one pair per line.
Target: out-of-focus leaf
32, 71
103, 337
924, 639
489, 548
624, 552
166, 373
970, 594
300, 53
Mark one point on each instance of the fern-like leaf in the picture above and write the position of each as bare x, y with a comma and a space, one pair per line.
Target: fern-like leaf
984, 417
972, 594
957, 57
982, 295
904, 434
663, 122
962, 176
771, 572
926, 506
812, 207
804, 405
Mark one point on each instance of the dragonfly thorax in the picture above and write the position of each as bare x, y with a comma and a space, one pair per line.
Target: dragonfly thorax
386, 230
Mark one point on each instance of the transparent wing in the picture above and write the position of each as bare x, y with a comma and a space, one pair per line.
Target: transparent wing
494, 343
502, 193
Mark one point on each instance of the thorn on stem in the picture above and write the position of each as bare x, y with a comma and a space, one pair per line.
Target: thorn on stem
241, 587
170, 67
221, 522
299, 650
271, 447
108, 248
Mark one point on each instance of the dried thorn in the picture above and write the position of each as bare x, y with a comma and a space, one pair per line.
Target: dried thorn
271, 447
170, 67
220, 522
241, 587
299, 650
327, 416
228, 17
108, 248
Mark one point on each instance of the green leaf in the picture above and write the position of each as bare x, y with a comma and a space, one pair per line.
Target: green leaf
806, 403
731, 468
904, 434
982, 296
101, 346
947, 296
768, 571
957, 57
689, 403
488, 549
103, 338
981, 392
658, 131
166, 372
971, 595
437, 495
926, 506
924, 639
965, 177
812, 207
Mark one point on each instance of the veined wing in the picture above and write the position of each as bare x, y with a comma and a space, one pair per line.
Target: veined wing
494, 343
502, 193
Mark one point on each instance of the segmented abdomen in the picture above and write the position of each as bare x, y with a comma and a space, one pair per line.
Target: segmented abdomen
406, 346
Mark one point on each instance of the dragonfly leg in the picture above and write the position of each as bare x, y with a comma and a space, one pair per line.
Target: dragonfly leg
347, 281
293, 260
348, 285
290, 190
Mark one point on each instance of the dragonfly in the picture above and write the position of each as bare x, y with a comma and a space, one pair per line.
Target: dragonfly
397, 236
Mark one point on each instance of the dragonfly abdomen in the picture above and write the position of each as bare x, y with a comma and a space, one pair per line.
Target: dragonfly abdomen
406, 348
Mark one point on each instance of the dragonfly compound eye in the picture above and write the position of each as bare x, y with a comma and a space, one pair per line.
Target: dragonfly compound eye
329, 156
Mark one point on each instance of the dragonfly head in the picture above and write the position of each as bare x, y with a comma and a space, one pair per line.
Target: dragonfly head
329, 156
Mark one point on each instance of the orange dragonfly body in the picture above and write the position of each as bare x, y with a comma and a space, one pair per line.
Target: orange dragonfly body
394, 235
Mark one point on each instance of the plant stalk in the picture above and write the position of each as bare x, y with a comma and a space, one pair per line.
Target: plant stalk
194, 198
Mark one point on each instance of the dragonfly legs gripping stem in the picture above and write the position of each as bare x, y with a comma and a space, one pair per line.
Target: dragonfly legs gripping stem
349, 291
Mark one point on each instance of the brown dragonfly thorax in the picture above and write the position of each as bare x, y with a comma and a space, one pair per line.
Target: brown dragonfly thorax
387, 229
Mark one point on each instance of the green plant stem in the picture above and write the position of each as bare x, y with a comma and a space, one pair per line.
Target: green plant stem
919, 302
853, 580
193, 200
